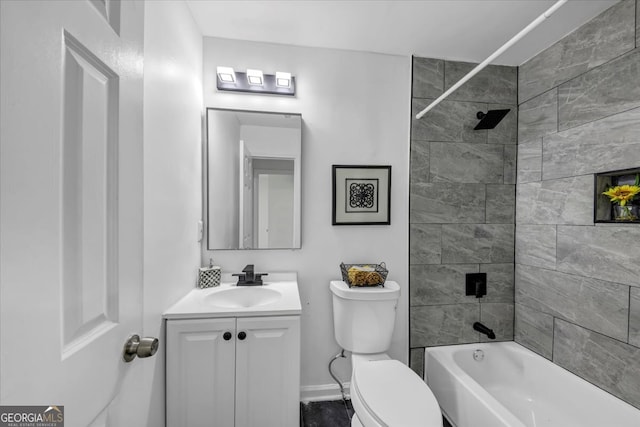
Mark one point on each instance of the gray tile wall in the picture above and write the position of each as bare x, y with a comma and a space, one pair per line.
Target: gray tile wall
573, 349
637, 25
462, 205
577, 285
604, 38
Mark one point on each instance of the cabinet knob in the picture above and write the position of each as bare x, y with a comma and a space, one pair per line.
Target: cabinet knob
227, 336
242, 335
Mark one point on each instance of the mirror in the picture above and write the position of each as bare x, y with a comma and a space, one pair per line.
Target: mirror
253, 179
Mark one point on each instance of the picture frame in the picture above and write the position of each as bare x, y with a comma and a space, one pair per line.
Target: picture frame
361, 195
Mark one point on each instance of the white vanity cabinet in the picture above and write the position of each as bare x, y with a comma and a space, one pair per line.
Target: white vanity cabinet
235, 371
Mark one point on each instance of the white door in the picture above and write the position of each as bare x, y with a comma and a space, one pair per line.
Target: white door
261, 201
201, 372
71, 206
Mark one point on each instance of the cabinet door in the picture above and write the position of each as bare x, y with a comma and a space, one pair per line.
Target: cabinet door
268, 372
200, 372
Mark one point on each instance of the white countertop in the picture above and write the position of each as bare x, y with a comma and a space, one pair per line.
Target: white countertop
194, 305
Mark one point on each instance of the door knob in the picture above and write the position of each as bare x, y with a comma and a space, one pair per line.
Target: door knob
227, 336
242, 335
142, 348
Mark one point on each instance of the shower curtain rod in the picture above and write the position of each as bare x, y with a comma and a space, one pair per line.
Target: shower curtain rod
494, 55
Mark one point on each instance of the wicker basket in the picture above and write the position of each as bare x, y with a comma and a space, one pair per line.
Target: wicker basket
364, 274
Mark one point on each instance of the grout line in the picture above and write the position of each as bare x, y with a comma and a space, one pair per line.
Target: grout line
557, 89
517, 93
581, 74
597, 120
441, 242
429, 160
411, 142
537, 96
629, 318
541, 159
444, 74
571, 274
553, 337
610, 60
555, 318
555, 257
592, 331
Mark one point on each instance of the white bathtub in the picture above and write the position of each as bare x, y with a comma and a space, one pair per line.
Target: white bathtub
514, 387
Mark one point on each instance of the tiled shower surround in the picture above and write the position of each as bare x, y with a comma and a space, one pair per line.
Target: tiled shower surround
577, 285
462, 205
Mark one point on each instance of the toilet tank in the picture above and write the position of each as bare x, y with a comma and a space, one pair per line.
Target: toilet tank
364, 317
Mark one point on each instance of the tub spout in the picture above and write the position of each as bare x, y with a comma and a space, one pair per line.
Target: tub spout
484, 330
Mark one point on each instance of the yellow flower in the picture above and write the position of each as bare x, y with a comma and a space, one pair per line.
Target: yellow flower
622, 193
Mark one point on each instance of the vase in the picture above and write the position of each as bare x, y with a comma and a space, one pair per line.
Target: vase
626, 213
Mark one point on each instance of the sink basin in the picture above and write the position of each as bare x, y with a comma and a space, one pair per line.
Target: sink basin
277, 297
243, 297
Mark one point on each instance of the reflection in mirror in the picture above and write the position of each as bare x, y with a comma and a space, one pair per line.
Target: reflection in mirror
253, 179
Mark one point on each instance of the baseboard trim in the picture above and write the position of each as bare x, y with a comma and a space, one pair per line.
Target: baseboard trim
322, 392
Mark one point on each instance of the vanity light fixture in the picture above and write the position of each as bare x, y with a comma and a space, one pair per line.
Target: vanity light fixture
255, 81
226, 74
283, 79
254, 77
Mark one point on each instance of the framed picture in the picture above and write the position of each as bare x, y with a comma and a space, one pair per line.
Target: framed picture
361, 195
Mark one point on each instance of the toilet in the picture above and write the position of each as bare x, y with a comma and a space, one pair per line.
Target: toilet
384, 392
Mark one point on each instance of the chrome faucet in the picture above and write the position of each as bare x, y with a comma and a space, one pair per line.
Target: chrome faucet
249, 278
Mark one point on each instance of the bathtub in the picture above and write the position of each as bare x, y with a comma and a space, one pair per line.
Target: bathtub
506, 385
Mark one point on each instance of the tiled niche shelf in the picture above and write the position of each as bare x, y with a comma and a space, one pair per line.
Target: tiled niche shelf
603, 208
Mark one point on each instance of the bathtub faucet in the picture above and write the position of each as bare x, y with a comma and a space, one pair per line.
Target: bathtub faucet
484, 330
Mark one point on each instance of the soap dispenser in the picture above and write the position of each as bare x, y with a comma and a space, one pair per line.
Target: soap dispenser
209, 276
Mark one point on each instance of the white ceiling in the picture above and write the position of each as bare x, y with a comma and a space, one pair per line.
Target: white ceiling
466, 30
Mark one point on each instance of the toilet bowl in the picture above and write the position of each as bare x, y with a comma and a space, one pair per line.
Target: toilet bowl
384, 392
388, 393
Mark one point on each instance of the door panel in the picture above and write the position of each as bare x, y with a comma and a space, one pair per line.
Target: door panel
200, 372
268, 372
71, 205
89, 196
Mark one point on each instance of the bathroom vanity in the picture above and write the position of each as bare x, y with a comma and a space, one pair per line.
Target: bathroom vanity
233, 355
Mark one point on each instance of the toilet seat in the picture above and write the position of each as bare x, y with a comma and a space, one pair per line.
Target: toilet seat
388, 393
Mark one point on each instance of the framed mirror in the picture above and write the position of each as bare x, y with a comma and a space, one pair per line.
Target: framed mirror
253, 179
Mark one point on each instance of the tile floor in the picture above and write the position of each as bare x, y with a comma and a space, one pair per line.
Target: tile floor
334, 413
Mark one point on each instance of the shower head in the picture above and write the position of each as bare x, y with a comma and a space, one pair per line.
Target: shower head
490, 119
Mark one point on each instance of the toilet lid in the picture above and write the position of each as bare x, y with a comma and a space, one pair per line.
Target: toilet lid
395, 395
390, 291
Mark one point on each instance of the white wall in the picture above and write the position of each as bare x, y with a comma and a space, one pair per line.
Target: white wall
172, 174
355, 109
224, 200
268, 141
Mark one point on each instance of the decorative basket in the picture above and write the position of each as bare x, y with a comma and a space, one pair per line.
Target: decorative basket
364, 274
